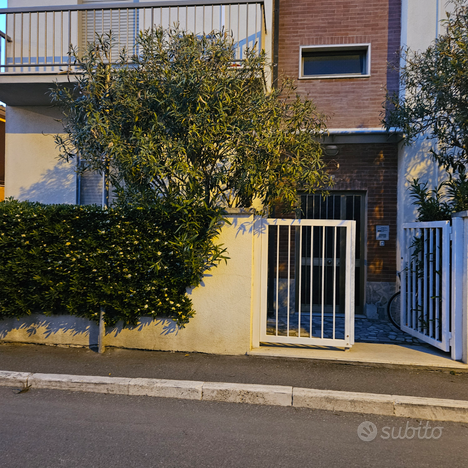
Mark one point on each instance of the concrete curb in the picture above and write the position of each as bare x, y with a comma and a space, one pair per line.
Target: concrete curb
432, 409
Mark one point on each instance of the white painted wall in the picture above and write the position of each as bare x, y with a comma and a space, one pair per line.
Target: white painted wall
32, 169
421, 23
223, 305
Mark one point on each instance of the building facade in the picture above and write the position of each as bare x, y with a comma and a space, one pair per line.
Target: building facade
340, 54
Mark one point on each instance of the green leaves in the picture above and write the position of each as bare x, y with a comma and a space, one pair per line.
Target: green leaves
440, 203
134, 262
430, 205
182, 121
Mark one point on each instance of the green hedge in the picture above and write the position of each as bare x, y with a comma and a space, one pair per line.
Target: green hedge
134, 262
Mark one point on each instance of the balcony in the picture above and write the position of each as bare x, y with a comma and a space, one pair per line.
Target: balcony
35, 42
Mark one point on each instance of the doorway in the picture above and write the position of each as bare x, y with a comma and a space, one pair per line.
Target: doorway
345, 205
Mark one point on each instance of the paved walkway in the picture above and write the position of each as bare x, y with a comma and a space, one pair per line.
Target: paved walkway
365, 330
381, 331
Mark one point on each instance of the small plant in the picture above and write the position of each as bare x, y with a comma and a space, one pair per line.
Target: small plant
441, 202
429, 202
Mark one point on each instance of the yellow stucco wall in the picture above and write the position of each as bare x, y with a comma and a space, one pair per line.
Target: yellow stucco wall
32, 169
223, 304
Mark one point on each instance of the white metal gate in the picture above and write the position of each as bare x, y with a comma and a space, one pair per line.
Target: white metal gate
308, 282
425, 282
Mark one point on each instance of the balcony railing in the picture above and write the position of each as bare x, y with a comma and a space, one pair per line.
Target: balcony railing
38, 39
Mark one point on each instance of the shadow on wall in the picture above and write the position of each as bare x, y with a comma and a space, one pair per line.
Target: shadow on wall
169, 327
40, 325
57, 185
69, 329
418, 164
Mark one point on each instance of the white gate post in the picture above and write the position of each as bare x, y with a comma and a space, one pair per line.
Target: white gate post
350, 273
460, 286
456, 341
259, 288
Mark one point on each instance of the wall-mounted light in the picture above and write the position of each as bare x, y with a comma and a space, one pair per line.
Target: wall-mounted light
331, 150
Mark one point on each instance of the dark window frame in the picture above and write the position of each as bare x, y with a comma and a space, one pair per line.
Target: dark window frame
362, 51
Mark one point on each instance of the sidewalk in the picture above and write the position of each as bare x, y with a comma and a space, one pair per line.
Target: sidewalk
401, 391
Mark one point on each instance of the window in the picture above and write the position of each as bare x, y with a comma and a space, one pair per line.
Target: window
341, 61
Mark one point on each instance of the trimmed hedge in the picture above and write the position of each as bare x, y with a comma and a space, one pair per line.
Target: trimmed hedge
134, 262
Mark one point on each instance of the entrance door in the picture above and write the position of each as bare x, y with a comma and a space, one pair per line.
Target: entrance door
337, 205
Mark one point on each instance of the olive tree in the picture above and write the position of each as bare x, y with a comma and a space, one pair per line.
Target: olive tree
180, 119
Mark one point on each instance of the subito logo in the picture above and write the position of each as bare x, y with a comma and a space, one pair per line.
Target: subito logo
367, 431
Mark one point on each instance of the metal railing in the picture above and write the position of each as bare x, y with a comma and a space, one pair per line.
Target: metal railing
38, 39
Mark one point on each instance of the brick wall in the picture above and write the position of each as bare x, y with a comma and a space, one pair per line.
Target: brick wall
369, 168
355, 102
373, 168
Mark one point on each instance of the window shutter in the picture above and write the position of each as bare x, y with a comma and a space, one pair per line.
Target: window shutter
123, 24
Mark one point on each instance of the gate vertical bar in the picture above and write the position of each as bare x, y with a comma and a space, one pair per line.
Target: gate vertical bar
438, 312
334, 280
414, 283
424, 314
404, 277
445, 283
323, 278
432, 293
289, 279
277, 275
299, 306
420, 286
311, 276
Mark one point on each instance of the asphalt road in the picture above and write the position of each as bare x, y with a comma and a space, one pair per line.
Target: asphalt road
51, 428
